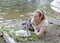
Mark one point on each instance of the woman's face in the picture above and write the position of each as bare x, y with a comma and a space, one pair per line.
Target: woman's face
36, 17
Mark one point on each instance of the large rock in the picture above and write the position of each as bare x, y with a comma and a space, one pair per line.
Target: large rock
23, 33
54, 21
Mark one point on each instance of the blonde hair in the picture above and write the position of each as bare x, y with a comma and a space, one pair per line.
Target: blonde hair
41, 14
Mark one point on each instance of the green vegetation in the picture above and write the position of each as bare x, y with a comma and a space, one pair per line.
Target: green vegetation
33, 37
18, 38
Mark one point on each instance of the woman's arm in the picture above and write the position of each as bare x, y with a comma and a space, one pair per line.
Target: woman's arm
34, 28
41, 31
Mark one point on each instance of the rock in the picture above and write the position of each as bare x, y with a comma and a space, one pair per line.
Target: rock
23, 33
1, 21
7, 38
1, 18
54, 21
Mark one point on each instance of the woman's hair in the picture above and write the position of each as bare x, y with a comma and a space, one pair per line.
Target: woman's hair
41, 14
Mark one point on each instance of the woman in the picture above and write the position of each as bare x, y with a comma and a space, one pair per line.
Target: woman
38, 22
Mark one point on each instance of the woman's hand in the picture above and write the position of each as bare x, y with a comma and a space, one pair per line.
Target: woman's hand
41, 31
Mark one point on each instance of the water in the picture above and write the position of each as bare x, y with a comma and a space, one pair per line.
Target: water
13, 9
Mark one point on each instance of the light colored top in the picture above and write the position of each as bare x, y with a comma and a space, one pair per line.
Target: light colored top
44, 22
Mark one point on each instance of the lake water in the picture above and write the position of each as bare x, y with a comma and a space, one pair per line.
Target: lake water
14, 9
